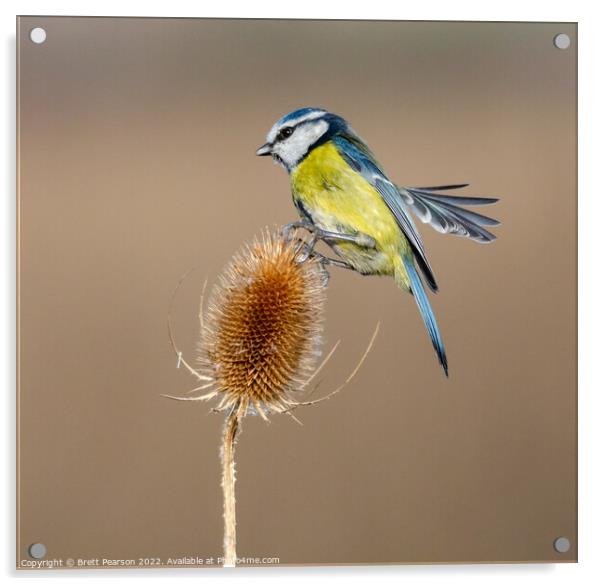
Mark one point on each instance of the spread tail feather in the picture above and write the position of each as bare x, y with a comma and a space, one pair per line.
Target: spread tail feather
426, 312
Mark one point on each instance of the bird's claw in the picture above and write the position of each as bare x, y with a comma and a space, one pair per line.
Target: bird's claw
287, 229
308, 249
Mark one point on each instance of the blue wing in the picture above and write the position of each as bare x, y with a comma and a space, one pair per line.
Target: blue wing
359, 157
444, 214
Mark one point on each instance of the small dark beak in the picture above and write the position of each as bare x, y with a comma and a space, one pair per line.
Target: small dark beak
264, 150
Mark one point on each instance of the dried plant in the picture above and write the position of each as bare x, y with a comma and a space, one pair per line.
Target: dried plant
259, 345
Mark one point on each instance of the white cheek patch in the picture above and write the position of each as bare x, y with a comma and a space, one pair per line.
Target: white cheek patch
292, 149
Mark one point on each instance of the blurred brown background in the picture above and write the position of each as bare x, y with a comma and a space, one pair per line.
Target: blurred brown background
136, 153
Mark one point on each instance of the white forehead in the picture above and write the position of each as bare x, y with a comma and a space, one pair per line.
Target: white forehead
284, 122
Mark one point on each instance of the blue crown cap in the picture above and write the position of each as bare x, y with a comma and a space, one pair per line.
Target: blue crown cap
296, 114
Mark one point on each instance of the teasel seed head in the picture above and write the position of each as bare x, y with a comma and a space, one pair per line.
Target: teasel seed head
261, 334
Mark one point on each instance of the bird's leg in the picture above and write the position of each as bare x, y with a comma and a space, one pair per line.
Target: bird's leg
334, 262
326, 262
360, 238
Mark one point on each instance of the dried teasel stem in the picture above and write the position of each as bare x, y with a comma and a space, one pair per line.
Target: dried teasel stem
229, 437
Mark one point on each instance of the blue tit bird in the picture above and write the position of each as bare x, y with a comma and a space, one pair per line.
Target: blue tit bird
345, 199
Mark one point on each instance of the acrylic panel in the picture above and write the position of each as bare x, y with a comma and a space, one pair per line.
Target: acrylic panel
137, 166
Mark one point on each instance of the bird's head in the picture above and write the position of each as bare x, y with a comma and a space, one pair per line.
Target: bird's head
296, 134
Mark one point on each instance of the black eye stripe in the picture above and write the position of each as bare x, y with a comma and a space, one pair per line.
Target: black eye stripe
285, 133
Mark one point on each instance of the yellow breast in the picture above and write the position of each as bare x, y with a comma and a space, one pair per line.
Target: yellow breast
340, 200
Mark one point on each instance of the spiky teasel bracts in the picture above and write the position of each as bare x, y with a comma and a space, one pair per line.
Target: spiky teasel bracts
261, 335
